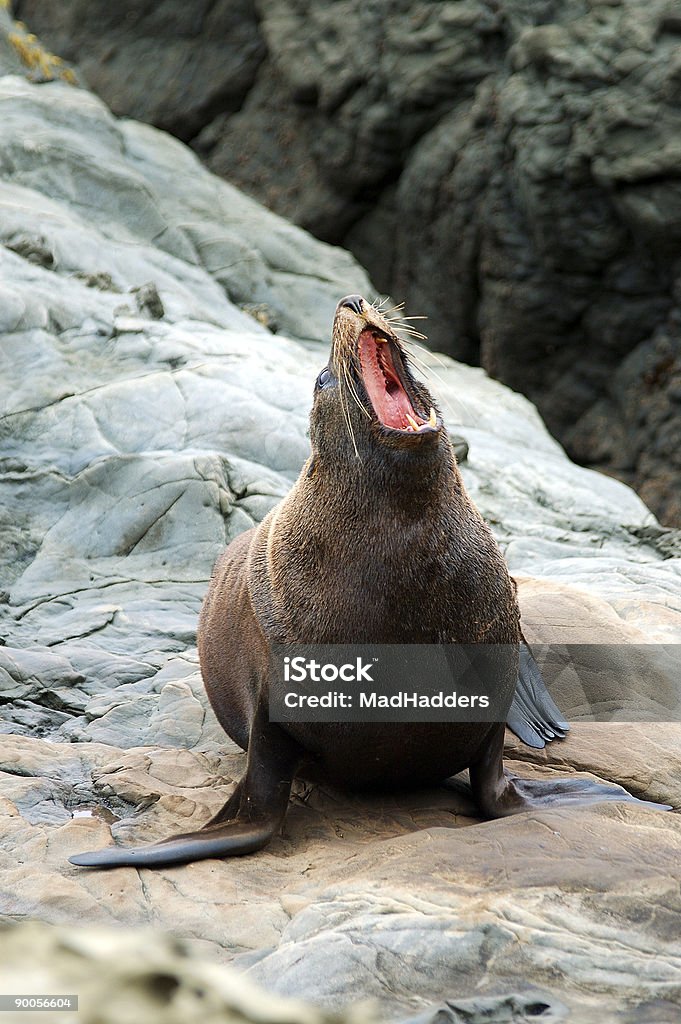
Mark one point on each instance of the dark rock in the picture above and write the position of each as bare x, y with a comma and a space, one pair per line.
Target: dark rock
172, 64
149, 301
102, 281
32, 248
636, 430
520, 1008
461, 449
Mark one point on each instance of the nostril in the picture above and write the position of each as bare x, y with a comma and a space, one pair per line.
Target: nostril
353, 302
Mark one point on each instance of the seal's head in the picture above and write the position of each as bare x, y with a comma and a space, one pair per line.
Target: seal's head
367, 393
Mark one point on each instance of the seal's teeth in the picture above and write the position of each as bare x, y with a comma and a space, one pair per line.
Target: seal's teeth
412, 422
432, 419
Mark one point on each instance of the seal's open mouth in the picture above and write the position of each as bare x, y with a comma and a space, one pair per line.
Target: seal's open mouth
384, 382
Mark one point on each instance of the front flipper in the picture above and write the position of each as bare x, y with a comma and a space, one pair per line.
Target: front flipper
498, 793
533, 715
246, 823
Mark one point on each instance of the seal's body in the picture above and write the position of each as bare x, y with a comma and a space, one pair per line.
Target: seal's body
377, 542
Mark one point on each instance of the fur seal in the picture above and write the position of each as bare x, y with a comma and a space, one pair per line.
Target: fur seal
377, 542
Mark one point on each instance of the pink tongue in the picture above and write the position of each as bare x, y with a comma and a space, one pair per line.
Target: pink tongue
388, 397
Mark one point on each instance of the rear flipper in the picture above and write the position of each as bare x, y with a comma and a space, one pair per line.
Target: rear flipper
533, 715
498, 793
246, 823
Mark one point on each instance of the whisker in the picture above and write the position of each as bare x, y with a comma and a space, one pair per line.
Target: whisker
428, 351
379, 305
346, 417
351, 387
344, 408
431, 374
411, 332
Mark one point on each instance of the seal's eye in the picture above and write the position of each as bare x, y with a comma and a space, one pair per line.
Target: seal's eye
324, 378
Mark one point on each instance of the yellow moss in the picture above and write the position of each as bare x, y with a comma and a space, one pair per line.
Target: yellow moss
35, 57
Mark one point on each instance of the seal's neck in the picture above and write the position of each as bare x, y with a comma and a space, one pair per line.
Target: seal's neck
404, 482
371, 552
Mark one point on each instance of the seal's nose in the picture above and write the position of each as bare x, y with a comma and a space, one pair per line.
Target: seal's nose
353, 302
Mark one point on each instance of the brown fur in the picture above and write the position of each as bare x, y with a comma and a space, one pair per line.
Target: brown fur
377, 542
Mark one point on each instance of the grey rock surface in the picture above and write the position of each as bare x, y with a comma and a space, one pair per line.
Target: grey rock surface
148, 417
511, 170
